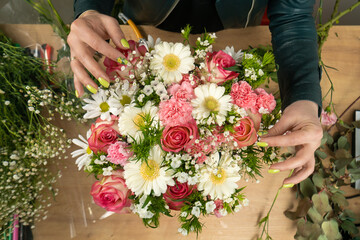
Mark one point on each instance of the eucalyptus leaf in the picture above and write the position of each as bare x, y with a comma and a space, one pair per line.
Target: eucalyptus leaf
349, 227
342, 142
331, 230
306, 228
301, 210
320, 154
315, 216
307, 188
342, 162
356, 124
321, 203
342, 153
339, 199
322, 237
328, 137
318, 180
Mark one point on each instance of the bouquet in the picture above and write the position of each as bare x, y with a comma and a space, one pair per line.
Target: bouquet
177, 129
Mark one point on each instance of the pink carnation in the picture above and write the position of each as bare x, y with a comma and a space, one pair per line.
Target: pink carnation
243, 96
195, 79
174, 112
265, 100
328, 119
118, 153
183, 92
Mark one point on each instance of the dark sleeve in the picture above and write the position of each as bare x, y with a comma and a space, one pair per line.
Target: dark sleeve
294, 41
103, 6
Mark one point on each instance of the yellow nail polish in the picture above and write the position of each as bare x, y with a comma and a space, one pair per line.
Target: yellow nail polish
261, 133
122, 61
76, 93
125, 43
289, 185
103, 82
262, 144
273, 170
91, 89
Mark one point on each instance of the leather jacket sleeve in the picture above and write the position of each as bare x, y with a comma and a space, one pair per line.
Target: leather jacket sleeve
103, 6
294, 41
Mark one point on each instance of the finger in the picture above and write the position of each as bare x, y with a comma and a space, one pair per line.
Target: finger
278, 129
92, 39
301, 157
117, 36
78, 86
93, 67
302, 174
83, 77
290, 139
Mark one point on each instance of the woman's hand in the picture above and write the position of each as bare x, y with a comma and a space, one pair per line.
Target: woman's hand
89, 34
299, 126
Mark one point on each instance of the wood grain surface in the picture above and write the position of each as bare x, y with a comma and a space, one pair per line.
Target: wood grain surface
73, 215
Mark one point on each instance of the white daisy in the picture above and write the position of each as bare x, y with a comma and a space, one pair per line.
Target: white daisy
100, 106
237, 56
132, 119
121, 95
219, 176
151, 42
171, 60
144, 177
84, 154
210, 100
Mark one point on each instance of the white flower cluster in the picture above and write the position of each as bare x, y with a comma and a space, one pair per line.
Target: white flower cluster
140, 210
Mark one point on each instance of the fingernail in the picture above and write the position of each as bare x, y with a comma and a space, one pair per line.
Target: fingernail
261, 133
77, 93
289, 185
103, 82
273, 170
125, 43
91, 89
122, 61
262, 144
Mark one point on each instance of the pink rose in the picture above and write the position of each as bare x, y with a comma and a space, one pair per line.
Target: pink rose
265, 100
243, 96
176, 138
134, 55
175, 112
103, 134
219, 206
111, 193
245, 133
215, 64
175, 195
119, 153
183, 92
328, 119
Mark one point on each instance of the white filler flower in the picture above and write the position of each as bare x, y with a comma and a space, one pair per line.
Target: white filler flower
210, 99
219, 176
171, 60
144, 177
84, 154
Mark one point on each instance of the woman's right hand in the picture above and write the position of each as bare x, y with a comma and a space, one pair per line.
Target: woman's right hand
89, 34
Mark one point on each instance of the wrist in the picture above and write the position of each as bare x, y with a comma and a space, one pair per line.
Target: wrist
87, 13
308, 106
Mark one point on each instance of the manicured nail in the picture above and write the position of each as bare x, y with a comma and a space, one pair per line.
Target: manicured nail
103, 82
125, 43
262, 144
261, 133
91, 89
76, 93
273, 170
122, 61
289, 185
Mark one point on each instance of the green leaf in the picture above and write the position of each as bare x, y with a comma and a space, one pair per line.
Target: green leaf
356, 124
339, 199
355, 174
331, 230
321, 203
318, 180
322, 237
307, 188
263, 220
328, 137
320, 154
342, 153
301, 210
342, 142
349, 227
315, 215
342, 162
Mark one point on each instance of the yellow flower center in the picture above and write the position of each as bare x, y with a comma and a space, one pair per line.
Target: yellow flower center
139, 120
219, 177
150, 170
171, 62
104, 106
125, 100
88, 151
212, 104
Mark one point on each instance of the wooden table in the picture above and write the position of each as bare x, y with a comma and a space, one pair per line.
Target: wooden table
74, 216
